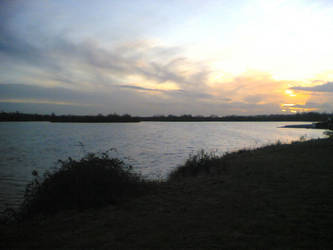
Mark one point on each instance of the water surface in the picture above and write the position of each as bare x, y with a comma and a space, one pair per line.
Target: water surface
153, 148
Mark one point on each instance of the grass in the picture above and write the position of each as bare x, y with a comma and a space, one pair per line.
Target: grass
275, 197
201, 163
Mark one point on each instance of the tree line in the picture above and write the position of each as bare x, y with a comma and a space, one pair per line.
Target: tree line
308, 116
17, 116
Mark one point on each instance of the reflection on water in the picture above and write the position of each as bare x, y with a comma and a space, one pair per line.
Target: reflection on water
153, 148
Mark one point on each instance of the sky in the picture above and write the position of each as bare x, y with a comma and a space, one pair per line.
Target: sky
151, 57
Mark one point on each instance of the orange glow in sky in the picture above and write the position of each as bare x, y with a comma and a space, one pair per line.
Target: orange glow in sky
221, 57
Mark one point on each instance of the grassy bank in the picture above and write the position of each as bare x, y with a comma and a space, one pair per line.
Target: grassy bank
278, 196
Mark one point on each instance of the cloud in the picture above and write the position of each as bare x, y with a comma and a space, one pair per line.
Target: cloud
134, 76
70, 64
27, 98
21, 91
312, 106
137, 88
326, 87
251, 87
308, 105
254, 98
67, 67
139, 77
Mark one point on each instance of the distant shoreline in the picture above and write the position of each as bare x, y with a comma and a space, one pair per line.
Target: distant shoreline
317, 125
100, 118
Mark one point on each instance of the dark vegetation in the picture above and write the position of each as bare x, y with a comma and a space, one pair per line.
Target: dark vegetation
16, 116
310, 117
201, 163
92, 182
275, 197
207, 164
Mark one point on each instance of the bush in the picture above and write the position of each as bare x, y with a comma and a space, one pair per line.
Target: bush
93, 181
198, 164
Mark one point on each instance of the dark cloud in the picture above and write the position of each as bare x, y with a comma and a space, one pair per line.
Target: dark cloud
41, 109
103, 71
172, 93
21, 91
194, 95
32, 56
72, 64
326, 87
125, 100
60, 59
16, 96
318, 106
137, 88
13, 47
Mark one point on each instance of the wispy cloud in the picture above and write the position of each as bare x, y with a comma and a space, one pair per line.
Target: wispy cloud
68, 63
326, 87
137, 88
140, 59
130, 74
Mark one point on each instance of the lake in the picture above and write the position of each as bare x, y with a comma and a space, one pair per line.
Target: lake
152, 148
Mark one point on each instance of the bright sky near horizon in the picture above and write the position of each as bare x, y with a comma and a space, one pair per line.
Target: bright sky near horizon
149, 57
